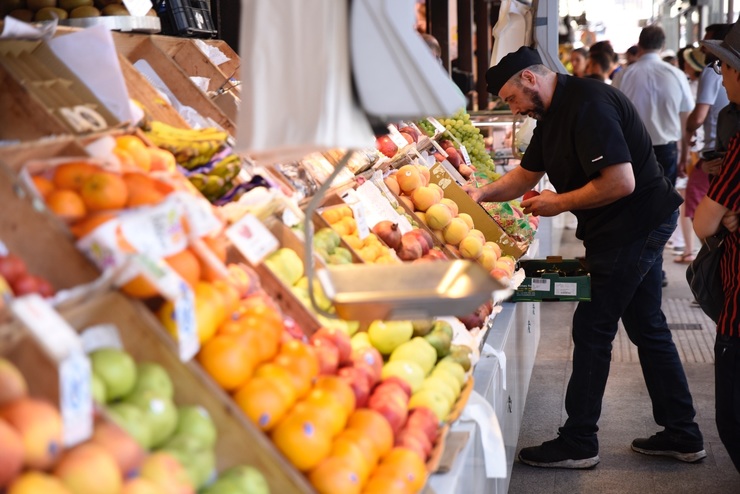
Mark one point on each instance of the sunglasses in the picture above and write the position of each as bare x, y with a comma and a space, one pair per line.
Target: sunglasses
717, 66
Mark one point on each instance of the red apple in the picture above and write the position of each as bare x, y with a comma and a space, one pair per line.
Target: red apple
409, 138
368, 371
437, 254
530, 194
428, 241
453, 156
396, 381
446, 143
328, 356
439, 157
424, 419
340, 339
394, 414
415, 439
370, 357
386, 146
12, 267
411, 131
359, 384
25, 284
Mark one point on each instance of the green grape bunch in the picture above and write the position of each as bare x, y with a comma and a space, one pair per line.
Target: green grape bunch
469, 136
426, 126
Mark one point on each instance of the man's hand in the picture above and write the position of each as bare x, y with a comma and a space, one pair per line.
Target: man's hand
547, 203
712, 167
475, 193
730, 221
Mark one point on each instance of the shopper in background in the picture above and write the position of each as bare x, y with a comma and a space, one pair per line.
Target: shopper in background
578, 61
720, 209
599, 66
604, 61
597, 154
630, 55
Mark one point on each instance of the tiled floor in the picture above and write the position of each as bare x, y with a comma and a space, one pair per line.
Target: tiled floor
626, 410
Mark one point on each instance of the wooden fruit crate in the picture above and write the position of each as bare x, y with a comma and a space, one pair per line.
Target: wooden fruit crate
230, 68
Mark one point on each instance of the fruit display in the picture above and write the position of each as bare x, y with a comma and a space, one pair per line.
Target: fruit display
14, 272
453, 229
327, 244
47, 10
460, 126
370, 249
203, 155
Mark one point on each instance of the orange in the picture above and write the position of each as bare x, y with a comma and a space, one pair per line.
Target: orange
246, 281
217, 246
185, 263
280, 378
88, 224
302, 439
125, 158
325, 400
136, 180
336, 476
136, 148
375, 426
263, 401
406, 464
263, 345
43, 185
351, 453
209, 310
228, 362
161, 160
71, 176
139, 287
301, 361
229, 293
104, 190
383, 483
360, 440
66, 204
340, 389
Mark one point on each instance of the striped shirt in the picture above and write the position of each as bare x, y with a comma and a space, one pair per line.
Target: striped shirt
725, 190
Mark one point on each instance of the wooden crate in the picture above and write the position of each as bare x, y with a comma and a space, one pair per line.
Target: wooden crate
230, 68
15, 156
191, 59
137, 47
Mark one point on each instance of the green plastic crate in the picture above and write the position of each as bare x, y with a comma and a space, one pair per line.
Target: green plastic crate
553, 279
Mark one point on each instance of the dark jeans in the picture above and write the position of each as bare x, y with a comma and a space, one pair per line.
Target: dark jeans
727, 394
626, 284
667, 156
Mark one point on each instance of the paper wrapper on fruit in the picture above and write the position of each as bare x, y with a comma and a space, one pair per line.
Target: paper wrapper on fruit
511, 219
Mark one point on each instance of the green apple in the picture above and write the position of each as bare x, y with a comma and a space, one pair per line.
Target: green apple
153, 377
387, 335
246, 479
286, 264
409, 371
97, 388
129, 418
433, 399
360, 340
159, 413
441, 341
198, 461
443, 385
448, 366
416, 350
116, 369
195, 422
318, 292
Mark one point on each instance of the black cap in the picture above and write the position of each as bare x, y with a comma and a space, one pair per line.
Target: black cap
512, 63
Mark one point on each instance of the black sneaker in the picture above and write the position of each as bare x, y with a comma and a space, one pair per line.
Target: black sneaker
664, 283
558, 454
662, 444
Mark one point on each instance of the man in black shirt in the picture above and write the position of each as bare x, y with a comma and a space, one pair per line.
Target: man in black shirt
598, 155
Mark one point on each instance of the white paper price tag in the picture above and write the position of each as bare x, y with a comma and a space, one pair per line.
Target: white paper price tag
436, 124
396, 137
199, 214
156, 230
101, 336
75, 398
50, 330
566, 289
353, 200
176, 290
138, 8
102, 248
252, 239
464, 152
540, 285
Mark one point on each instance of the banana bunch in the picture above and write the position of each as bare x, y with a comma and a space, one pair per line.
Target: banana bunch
192, 147
219, 179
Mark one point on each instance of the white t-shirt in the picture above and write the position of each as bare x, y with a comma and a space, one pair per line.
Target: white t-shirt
660, 92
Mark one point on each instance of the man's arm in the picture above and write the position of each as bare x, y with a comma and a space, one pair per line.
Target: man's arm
613, 183
512, 185
710, 215
697, 117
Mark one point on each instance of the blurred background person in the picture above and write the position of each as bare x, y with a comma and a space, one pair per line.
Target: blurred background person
578, 59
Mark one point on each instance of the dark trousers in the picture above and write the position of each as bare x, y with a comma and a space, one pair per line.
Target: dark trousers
626, 284
667, 156
727, 394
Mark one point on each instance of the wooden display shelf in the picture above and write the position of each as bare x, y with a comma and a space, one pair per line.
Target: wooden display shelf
138, 47
231, 67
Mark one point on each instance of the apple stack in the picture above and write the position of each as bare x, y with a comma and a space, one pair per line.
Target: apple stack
454, 158
14, 272
370, 249
454, 229
385, 145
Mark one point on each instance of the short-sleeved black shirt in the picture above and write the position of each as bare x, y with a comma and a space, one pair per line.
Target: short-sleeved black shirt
590, 126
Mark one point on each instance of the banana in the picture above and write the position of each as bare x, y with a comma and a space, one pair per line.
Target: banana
167, 132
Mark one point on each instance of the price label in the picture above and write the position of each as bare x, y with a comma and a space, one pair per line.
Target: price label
354, 201
252, 239
101, 336
75, 397
138, 8
438, 126
566, 289
102, 248
156, 230
465, 155
199, 213
540, 285
177, 291
397, 138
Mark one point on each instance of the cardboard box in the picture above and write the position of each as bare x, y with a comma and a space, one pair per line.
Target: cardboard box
43, 97
553, 279
483, 222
